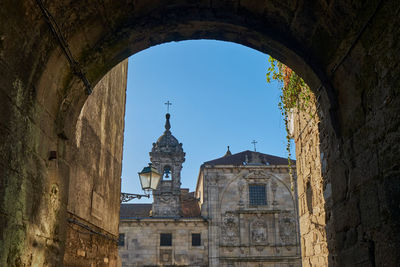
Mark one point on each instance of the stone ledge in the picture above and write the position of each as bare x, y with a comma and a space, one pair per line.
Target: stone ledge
258, 259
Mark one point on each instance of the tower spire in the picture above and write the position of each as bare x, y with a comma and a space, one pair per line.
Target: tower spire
167, 124
167, 157
228, 153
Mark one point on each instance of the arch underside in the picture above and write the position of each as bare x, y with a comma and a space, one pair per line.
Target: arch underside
130, 38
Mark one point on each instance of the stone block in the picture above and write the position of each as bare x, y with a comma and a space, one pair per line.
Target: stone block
339, 175
81, 253
356, 255
369, 205
346, 214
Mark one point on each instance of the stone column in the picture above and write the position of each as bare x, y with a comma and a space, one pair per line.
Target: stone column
214, 222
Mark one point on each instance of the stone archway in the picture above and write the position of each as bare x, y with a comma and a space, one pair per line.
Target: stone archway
347, 52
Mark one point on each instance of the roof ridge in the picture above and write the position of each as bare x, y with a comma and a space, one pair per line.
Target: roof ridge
240, 157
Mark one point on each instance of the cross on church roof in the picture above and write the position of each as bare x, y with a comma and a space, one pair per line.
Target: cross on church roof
254, 143
168, 104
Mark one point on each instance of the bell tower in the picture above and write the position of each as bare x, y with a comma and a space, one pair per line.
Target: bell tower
167, 157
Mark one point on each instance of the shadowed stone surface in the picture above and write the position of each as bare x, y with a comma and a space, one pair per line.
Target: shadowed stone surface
95, 174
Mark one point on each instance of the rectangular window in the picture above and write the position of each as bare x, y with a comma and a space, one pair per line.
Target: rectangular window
121, 240
166, 239
196, 240
257, 195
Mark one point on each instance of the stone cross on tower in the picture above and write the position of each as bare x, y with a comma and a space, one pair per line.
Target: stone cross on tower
254, 143
168, 104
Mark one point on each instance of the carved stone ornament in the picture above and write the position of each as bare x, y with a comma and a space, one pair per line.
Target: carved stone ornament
166, 210
258, 232
165, 199
230, 229
212, 180
287, 229
241, 186
260, 248
165, 256
165, 205
230, 249
257, 175
274, 186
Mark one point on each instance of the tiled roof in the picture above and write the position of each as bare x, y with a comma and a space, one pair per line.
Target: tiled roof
135, 211
252, 158
189, 206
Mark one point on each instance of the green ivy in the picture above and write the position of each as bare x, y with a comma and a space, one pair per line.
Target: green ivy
295, 95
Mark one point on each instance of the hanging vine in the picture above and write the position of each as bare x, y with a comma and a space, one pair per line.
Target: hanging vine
295, 95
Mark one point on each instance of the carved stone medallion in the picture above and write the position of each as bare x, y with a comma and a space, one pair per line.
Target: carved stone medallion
258, 232
230, 229
287, 229
241, 186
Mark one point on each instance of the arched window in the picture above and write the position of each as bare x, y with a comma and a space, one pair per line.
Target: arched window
167, 172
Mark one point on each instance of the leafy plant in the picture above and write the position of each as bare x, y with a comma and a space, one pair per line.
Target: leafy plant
295, 95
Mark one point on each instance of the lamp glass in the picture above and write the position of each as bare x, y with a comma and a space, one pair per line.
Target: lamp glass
149, 178
145, 180
155, 179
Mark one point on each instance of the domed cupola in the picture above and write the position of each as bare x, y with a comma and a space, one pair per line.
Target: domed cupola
167, 143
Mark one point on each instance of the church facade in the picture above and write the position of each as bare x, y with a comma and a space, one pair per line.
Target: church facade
251, 210
242, 213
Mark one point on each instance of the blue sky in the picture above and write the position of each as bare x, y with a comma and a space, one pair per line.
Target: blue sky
219, 97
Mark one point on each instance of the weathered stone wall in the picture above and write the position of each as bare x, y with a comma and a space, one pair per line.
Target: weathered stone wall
312, 193
96, 153
348, 171
34, 211
95, 159
89, 245
240, 233
362, 163
142, 242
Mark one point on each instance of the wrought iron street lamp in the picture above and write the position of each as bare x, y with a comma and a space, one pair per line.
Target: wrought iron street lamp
149, 179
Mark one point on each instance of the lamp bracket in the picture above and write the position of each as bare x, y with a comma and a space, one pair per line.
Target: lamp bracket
125, 197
